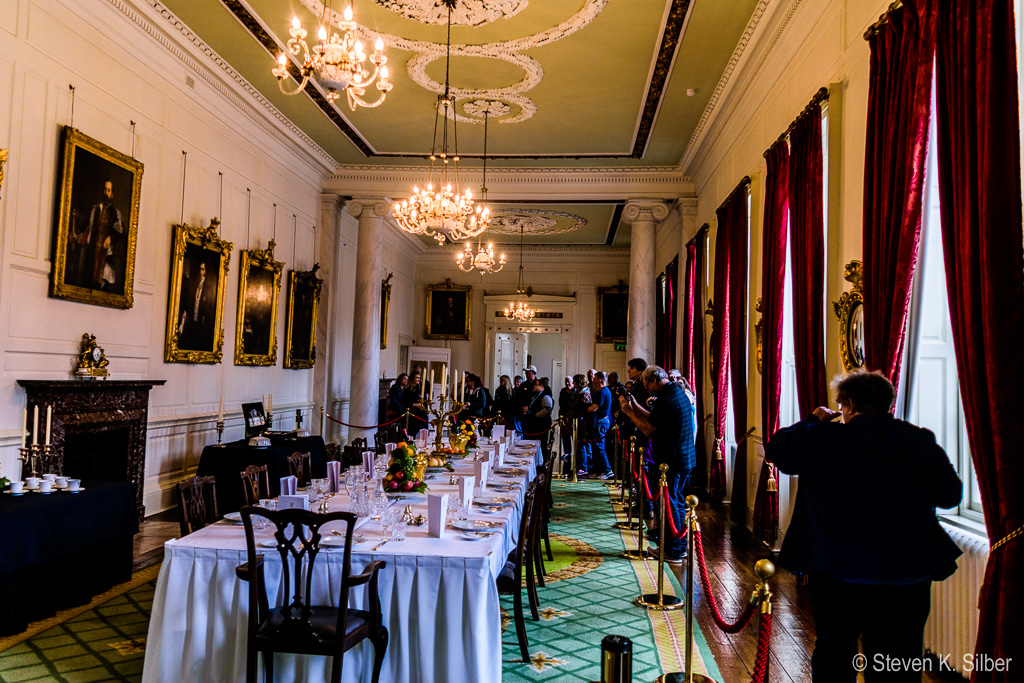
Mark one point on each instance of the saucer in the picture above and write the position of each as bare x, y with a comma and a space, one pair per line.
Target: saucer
268, 543
45, 493
235, 517
12, 493
474, 535
78, 490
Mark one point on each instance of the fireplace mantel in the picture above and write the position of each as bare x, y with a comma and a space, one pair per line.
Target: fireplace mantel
84, 406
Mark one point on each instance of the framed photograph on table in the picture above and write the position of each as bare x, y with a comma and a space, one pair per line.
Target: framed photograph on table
255, 419
259, 284
195, 305
97, 223
612, 313
449, 309
300, 336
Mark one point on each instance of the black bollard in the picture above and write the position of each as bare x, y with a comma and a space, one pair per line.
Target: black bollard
616, 660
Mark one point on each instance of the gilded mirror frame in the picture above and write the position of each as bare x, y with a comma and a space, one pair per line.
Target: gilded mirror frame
845, 309
385, 304
299, 280
262, 259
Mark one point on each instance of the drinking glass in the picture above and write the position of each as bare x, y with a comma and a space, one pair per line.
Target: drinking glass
387, 522
350, 481
454, 505
398, 529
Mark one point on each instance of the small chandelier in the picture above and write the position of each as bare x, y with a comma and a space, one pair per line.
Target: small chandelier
484, 259
445, 214
518, 310
336, 60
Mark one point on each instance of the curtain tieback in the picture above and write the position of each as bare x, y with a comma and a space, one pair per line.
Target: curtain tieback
718, 449
1019, 531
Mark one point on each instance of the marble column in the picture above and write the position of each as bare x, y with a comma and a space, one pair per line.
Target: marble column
687, 208
326, 320
366, 319
643, 215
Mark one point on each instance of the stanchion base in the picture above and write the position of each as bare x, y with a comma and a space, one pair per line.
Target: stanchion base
679, 677
650, 601
637, 555
559, 476
632, 526
611, 484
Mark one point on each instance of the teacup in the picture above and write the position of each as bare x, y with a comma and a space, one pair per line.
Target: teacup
61, 482
17, 487
74, 484
49, 477
31, 482
45, 486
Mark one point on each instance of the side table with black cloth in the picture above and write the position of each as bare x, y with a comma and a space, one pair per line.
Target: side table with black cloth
226, 464
60, 550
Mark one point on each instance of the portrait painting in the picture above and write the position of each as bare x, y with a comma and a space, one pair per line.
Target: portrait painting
300, 337
259, 284
448, 311
97, 223
195, 306
612, 313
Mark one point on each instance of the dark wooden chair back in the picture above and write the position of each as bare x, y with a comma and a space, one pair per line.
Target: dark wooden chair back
379, 439
197, 503
361, 444
333, 451
255, 484
298, 466
295, 624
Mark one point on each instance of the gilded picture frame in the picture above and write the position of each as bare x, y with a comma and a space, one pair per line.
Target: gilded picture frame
200, 261
449, 311
850, 312
97, 223
304, 289
385, 304
259, 284
3, 160
612, 313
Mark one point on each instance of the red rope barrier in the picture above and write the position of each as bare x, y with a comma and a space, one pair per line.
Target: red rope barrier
748, 611
400, 417
535, 433
763, 649
647, 488
672, 520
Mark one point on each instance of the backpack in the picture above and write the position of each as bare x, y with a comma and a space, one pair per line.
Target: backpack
488, 402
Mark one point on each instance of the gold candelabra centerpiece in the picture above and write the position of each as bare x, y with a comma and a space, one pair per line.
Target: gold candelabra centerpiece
446, 408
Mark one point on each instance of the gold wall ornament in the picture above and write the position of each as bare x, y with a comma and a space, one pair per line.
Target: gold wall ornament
195, 304
259, 284
449, 311
385, 303
850, 312
710, 311
97, 223
92, 360
300, 335
759, 338
3, 160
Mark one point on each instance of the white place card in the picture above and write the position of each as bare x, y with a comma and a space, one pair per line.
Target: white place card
437, 514
334, 476
292, 503
368, 462
497, 432
466, 491
289, 485
480, 475
388, 447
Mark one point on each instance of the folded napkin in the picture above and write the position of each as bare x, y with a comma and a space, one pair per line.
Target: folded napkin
388, 447
334, 476
289, 485
466, 486
292, 502
437, 514
480, 474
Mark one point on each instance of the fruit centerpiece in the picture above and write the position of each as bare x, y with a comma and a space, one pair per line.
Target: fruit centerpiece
468, 432
405, 470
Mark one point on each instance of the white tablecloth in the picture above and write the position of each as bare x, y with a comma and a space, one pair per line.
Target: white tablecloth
438, 596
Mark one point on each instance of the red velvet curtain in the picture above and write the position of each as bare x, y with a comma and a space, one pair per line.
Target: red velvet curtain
897, 142
665, 316
776, 224
980, 195
807, 250
693, 344
691, 314
730, 341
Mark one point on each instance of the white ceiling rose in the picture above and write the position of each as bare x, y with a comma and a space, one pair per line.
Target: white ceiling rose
465, 12
535, 222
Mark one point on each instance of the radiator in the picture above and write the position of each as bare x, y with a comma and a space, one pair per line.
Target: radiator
953, 623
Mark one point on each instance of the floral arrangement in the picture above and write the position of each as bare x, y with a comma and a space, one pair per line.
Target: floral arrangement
468, 431
404, 471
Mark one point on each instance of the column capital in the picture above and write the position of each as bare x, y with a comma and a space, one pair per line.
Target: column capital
378, 206
331, 201
638, 210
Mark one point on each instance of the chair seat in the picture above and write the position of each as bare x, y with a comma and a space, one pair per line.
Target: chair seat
277, 629
506, 580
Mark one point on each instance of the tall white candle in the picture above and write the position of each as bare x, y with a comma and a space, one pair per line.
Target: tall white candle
220, 410
444, 380
270, 406
24, 425
49, 418
423, 384
35, 425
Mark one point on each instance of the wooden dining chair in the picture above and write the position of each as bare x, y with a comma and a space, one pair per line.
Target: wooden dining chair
295, 625
510, 580
255, 484
298, 466
333, 451
197, 503
379, 439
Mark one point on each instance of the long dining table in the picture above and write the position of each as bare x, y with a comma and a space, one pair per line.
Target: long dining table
438, 595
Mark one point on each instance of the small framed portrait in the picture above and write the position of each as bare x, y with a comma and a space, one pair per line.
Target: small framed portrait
259, 284
97, 223
255, 419
300, 336
448, 311
195, 307
612, 313
385, 302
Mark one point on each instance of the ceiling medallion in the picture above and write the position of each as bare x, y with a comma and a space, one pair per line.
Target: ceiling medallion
535, 221
464, 13
336, 60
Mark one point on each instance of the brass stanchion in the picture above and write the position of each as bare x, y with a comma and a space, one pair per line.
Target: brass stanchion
406, 420
629, 523
616, 660
765, 570
639, 553
575, 450
659, 601
691, 533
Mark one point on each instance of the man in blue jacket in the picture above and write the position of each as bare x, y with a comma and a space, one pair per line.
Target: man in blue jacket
864, 528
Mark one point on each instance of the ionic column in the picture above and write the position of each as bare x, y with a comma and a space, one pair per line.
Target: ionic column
643, 215
327, 319
366, 318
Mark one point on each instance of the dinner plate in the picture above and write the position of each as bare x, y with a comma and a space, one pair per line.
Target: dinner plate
437, 469
235, 517
511, 471
475, 525
490, 509
474, 535
333, 541
268, 543
504, 487
497, 501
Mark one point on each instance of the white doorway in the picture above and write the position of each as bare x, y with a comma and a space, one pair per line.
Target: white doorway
434, 361
509, 355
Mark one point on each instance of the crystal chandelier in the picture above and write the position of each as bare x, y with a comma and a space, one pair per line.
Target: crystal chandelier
444, 214
518, 310
336, 60
484, 259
